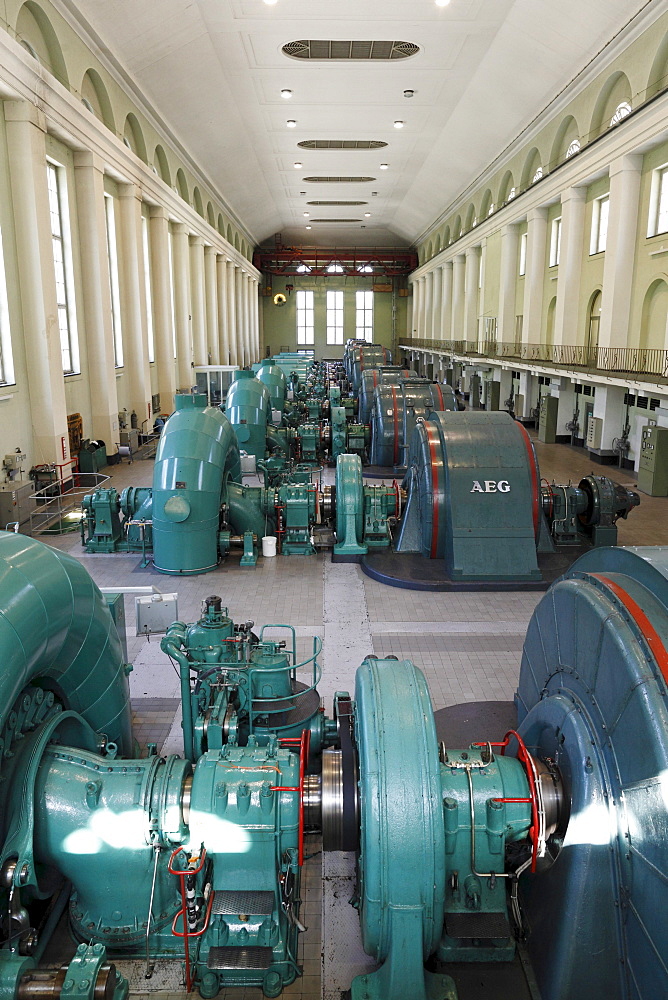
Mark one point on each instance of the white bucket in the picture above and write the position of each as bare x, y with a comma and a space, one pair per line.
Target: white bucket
268, 545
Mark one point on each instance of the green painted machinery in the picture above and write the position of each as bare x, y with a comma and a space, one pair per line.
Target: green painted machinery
274, 378
197, 860
371, 377
237, 686
394, 413
364, 513
474, 499
113, 523
358, 356
248, 407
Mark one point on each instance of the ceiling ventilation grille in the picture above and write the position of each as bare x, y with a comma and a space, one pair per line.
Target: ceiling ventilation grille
338, 180
331, 204
341, 144
323, 49
336, 220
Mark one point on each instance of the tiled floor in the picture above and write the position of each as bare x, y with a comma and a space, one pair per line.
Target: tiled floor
468, 644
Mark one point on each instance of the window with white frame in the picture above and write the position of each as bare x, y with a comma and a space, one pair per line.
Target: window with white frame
6, 359
658, 202
555, 242
148, 289
62, 262
364, 315
537, 176
621, 111
573, 148
523, 253
112, 260
305, 320
599, 224
334, 317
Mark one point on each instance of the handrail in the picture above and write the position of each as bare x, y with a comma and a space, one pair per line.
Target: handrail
50, 506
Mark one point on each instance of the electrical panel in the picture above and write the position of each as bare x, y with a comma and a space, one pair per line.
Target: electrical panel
594, 432
518, 402
493, 397
547, 419
653, 464
156, 613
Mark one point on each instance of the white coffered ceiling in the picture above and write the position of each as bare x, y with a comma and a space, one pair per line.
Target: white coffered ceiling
213, 71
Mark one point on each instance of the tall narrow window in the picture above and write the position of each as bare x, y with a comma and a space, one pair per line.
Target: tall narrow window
148, 289
334, 317
523, 253
599, 224
555, 242
6, 361
658, 206
364, 316
112, 259
62, 262
305, 323
170, 254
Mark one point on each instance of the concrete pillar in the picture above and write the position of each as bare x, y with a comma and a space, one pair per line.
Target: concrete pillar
223, 330
458, 285
133, 300
446, 302
245, 314
620, 250
570, 265
26, 130
471, 295
508, 284
535, 275
162, 306
255, 319
197, 300
96, 294
428, 305
415, 316
211, 290
236, 351
181, 278
437, 305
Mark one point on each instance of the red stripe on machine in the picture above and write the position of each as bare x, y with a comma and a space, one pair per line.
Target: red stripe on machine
534, 476
440, 395
649, 633
396, 426
431, 433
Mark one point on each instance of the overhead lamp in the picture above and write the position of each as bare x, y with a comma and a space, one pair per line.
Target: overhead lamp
384, 166
297, 165
439, 3
308, 227
306, 215
287, 94
302, 192
291, 123
409, 93
398, 124
270, 3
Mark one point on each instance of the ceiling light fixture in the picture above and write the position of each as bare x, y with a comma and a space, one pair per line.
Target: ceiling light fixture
439, 3
297, 165
409, 93
308, 227
291, 123
287, 94
384, 166
306, 215
398, 124
270, 3
367, 215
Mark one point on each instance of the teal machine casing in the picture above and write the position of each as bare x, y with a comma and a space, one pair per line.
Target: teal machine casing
274, 378
196, 458
248, 408
395, 411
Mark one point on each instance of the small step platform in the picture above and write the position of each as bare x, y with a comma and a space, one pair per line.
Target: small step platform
235, 903
229, 958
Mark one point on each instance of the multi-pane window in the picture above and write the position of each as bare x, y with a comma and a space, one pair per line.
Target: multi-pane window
63, 267
334, 317
147, 287
555, 242
305, 321
6, 361
621, 111
599, 224
658, 209
523, 253
112, 260
364, 316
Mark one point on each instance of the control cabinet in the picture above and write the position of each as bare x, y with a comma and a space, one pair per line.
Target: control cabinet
16, 503
547, 419
653, 465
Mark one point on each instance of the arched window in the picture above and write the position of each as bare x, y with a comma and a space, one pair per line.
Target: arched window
621, 111
573, 148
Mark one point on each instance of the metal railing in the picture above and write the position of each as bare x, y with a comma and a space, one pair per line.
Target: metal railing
61, 500
650, 362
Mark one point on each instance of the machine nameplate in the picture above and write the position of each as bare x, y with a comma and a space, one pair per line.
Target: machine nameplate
490, 486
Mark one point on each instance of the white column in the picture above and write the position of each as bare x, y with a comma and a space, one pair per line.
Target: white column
236, 353
570, 266
181, 278
243, 295
437, 305
446, 302
255, 317
415, 317
223, 331
197, 299
26, 130
620, 250
471, 290
161, 288
508, 272
458, 285
96, 294
535, 275
428, 304
211, 290
133, 300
